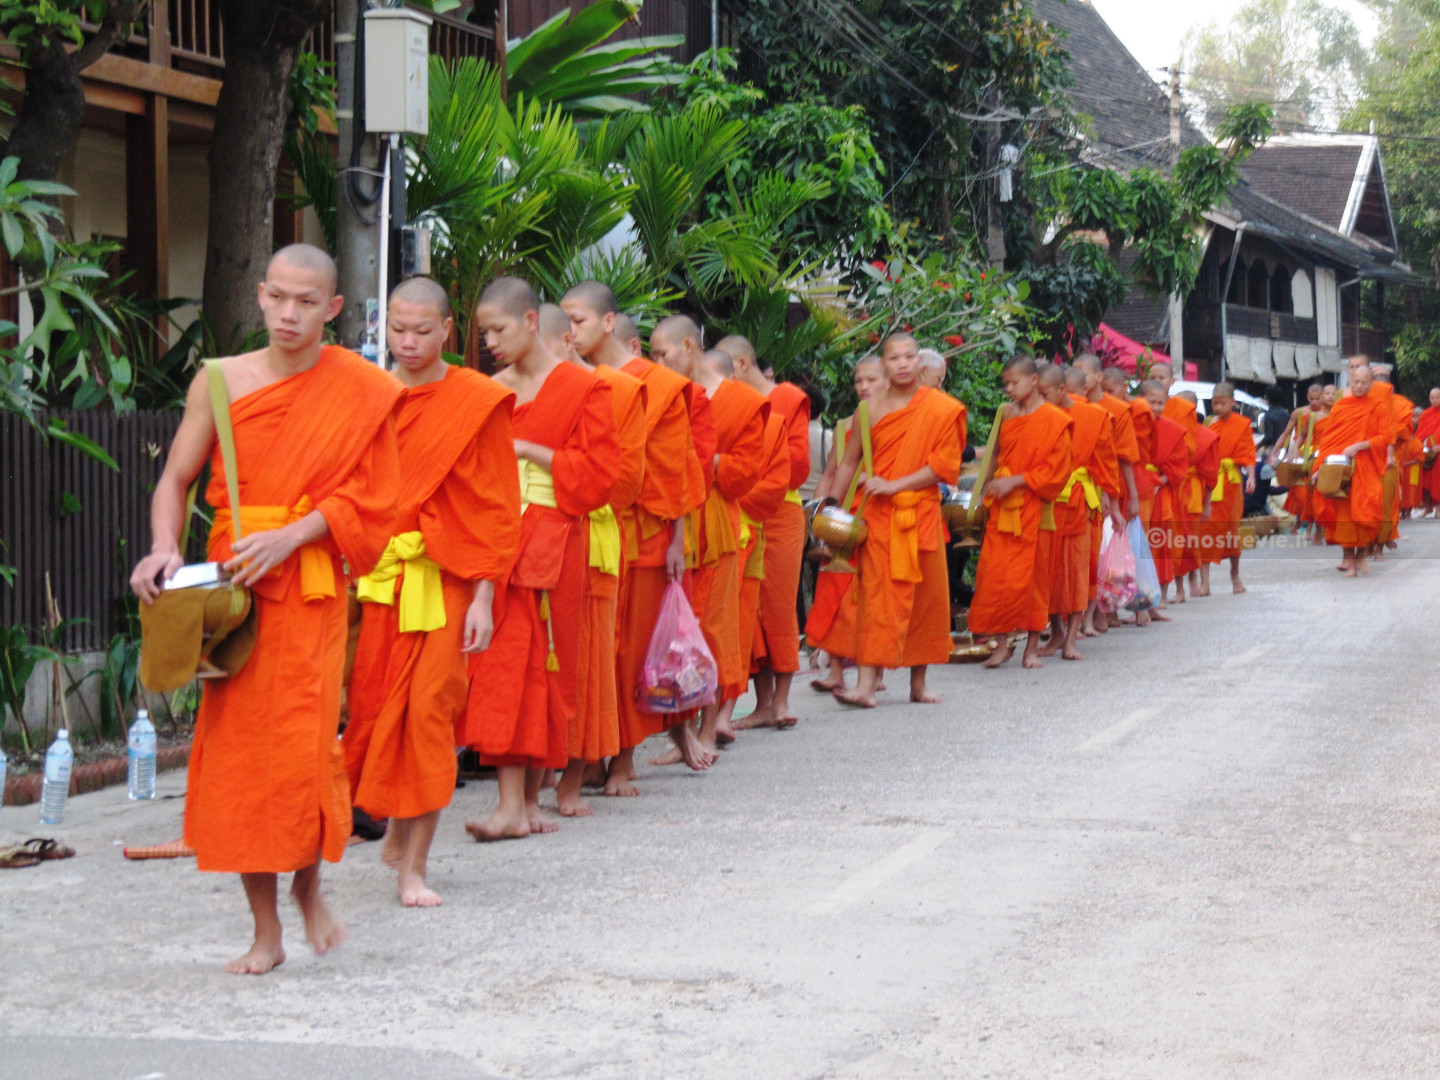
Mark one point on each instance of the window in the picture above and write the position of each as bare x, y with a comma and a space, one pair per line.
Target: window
1280, 291
1302, 296
1236, 295
1258, 293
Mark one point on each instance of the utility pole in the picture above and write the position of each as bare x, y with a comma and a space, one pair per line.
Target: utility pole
357, 210
1177, 302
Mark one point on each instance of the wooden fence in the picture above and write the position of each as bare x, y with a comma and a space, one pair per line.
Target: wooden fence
65, 513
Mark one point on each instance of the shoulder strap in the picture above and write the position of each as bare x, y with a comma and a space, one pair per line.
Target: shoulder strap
220, 407
862, 419
990, 444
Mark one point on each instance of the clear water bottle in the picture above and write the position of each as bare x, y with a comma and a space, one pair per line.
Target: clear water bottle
141, 781
59, 760
370, 346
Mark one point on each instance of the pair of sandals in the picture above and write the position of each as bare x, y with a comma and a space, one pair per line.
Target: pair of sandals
33, 852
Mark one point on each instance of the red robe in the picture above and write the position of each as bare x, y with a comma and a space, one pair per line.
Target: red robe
1012, 578
1171, 463
758, 506
778, 640
1072, 542
525, 689
267, 788
408, 689
1220, 536
1427, 430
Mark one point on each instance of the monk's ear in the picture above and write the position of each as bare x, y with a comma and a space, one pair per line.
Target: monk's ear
337, 303
532, 321
608, 321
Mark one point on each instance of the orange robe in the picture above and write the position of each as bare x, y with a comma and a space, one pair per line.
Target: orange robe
1189, 500
1091, 450
596, 734
1427, 431
759, 505
525, 688
1354, 521
778, 639
902, 616
835, 583
740, 414
1012, 582
267, 790
1146, 471
1403, 413
672, 487
1171, 463
1297, 498
1236, 447
1104, 466
408, 689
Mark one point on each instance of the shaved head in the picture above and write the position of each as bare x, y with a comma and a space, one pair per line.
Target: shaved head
554, 323
675, 329
1382, 372
1161, 371
595, 295
1189, 395
625, 328
1113, 379
1152, 386
1362, 378
1223, 389
739, 347
1088, 363
929, 358
1021, 364
1075, 380
310, 258
511, 295
1052, 377
721, 362
423, 290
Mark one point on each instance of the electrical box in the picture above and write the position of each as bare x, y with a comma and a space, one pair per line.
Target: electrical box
397, 71
414, 250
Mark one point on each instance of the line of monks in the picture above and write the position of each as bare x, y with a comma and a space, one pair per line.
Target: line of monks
510, 540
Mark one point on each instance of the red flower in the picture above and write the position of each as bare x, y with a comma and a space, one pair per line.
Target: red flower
907, 327
942, 285
878, 264
956, 340
874, 338
982, 275
967, 296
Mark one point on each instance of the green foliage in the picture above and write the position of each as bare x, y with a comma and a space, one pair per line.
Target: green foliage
19, 655
567, 61
119, 677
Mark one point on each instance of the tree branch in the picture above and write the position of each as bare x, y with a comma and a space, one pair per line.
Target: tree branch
118, 17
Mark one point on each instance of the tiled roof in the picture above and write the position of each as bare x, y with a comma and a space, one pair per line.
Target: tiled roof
1130, 112
1313, 178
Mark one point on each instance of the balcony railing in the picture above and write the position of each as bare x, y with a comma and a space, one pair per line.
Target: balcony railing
197, 38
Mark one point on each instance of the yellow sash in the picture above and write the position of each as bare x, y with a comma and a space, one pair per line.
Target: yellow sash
317, 568
1010, 510
605, 541
1047, 516
1082, 477
422, 593
755, 564
1414, 475
905, 533
537, 488
793, 496
1229, 474
1195, 502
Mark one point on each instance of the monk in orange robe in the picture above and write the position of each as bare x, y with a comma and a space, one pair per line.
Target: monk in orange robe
1236, 447
319, 481
1031, 467
777, 638
525, 688
1361, 427
1172, 464
671, 488
1205, 475
831, 619
1085, 497
456, 537
1403, 414
758, 506
1427, 431
738, 415
596, 734
1299, 431
1082, 379
902, 614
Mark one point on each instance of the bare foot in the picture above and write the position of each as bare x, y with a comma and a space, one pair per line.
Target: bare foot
620, 787
855, 699
570, 804
541, 824
499, 828
1000, 655
260, 960
724, 735
696, 756
414, 892
1071, 653
1236, 585
1157, 617
670, 757
924, 697
548, 779
761, 717
1051, 646
786, 722
1142, 618
392, 848
322, 929
594, 775
1030, 660
826, 686
880, 685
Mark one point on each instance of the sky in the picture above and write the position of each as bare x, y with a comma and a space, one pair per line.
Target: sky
1152, 31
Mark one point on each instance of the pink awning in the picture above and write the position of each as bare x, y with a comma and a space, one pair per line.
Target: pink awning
1130, 352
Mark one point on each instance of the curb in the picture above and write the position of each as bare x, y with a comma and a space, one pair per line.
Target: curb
24, 790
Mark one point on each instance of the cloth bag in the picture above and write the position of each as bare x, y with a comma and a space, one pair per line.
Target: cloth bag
679, 671
206, 631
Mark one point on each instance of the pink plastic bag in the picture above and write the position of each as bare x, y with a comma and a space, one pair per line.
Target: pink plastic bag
1116, 586
679, 672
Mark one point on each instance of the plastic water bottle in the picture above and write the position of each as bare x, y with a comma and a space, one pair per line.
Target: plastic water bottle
141, 781
59, 760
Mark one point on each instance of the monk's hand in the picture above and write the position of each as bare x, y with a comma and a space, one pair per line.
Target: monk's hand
1205, 512
257, 553
1250, 484
878, 485
152, 572
479, 622
1132, 508
675, 553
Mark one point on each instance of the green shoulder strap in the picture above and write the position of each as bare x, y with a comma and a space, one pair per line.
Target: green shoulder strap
862, 419
983, 478
225, 434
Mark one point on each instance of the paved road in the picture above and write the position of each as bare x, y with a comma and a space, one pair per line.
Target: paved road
1207, 852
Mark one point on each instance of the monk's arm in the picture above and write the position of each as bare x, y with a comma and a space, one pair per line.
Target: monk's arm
845, 471
827, 477
1284, 438
1132, 493
543, 456
257, 553
188, 452
921, 479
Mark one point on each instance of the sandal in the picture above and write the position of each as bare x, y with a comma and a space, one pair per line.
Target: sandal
17, 858
175, 849
47, 850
